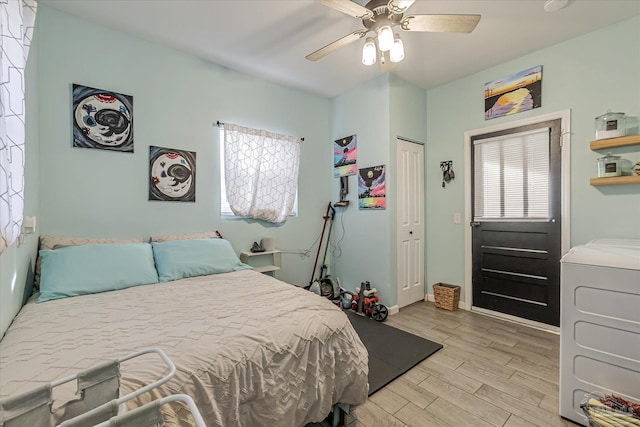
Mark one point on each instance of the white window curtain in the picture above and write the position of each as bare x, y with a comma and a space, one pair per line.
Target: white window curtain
511, 177
16, 29
261, 172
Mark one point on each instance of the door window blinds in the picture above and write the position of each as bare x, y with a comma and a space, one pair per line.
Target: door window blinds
511, 177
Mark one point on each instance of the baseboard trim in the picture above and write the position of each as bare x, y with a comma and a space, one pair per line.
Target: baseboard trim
518, 320
525, 322
393, 309
461, 304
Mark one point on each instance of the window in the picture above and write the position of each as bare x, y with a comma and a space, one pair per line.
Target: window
511, 176
16, 29
258, 174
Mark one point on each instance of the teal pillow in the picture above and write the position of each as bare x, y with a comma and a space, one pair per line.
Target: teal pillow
87, 269
180, 259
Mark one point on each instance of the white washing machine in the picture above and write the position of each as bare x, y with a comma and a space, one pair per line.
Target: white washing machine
599, 323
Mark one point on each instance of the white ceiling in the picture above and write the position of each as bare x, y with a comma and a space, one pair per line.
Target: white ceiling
270, 38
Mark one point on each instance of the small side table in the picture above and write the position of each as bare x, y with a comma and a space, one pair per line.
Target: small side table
263, 262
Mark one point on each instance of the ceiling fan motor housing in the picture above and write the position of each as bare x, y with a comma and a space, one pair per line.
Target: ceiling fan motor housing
381, 15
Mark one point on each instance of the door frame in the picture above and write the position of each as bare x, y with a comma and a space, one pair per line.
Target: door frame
565, 200
424, 218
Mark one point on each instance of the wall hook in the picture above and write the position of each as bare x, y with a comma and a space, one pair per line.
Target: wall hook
447, 171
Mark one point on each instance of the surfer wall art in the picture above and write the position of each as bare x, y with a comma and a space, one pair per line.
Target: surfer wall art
102, 119
519, 92
172, 175
344, 156
372, 188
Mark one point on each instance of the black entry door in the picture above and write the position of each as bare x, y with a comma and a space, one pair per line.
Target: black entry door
516, 238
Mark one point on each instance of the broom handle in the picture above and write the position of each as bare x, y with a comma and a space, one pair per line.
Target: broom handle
326, 217
326, 247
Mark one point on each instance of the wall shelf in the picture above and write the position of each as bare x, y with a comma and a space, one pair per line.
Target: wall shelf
272, 257
623, 141
616, 180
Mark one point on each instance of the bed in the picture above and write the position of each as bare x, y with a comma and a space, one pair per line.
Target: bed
249, 349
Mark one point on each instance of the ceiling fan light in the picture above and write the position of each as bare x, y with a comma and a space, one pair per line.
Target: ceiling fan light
397, 50
385, 38
369, 52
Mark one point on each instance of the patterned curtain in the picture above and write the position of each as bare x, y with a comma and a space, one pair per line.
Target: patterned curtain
261, 172
16, 29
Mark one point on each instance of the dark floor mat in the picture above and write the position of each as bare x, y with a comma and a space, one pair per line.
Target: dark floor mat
392, 352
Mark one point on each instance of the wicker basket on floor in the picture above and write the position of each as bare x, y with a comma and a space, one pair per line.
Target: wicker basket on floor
615, 412
446, 296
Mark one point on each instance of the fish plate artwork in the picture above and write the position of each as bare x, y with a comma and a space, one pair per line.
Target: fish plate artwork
102, 119
372, 188
172, 175
519, 92
344, 156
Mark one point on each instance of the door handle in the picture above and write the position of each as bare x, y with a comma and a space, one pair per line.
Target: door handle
474, 224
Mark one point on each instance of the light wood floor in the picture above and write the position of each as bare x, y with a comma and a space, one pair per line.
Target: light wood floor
490, 373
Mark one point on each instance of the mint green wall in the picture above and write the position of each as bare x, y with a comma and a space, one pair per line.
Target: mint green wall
177, 97
408, 105
365, 247
16, 263
407, 120
587, 75
377, 112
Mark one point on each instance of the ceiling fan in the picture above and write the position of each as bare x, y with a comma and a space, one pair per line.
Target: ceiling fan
381, 17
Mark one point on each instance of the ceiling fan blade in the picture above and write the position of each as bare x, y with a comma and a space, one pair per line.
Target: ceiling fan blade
399, 6
348, 7
349, 38
440, 23
385, 64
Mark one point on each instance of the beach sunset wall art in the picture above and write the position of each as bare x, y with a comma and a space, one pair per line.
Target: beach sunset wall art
519, 92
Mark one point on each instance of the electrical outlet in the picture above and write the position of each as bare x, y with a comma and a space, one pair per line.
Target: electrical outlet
456, 218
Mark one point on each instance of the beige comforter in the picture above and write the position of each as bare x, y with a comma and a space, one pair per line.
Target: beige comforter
250, 350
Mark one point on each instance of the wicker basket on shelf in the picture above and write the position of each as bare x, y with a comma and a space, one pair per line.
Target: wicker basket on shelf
446, 296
